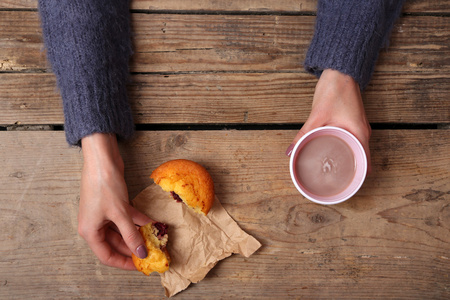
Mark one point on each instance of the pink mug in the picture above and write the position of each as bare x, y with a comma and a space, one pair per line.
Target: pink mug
318, 168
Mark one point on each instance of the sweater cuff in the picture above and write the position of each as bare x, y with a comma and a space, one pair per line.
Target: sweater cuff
348, 36
112, 114
89, 45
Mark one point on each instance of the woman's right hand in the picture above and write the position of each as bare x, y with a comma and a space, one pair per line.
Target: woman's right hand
337, 102
106, 220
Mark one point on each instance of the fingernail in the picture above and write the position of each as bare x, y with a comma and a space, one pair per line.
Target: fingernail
141, 251
289, 149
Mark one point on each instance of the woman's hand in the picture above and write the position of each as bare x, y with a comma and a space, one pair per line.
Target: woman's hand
106, 220
337, 102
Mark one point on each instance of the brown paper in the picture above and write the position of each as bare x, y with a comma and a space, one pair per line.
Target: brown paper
196, 242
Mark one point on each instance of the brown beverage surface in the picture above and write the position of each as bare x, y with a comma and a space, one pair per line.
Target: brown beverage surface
325, 166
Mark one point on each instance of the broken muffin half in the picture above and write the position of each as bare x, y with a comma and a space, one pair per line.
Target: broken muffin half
158, 260
187, 181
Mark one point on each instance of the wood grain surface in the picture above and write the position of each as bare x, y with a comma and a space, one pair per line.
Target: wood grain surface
168, 43
248, 98
248, 63
390, 241
202, 67
267, 6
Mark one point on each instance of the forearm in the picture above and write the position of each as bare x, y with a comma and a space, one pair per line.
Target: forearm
88, 46
349, 35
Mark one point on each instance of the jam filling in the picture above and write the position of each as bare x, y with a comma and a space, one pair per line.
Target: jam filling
176, 197
162, 229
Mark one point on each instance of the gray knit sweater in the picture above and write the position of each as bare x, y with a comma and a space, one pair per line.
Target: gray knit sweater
89, 45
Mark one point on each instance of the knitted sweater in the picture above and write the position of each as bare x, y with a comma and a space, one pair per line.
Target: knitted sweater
349, 35
88, 45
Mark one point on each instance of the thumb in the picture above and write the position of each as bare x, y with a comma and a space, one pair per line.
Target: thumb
304, 130
132, 237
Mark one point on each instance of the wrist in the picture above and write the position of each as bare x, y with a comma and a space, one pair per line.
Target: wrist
101, 149
337, 76
339, 82
336, 88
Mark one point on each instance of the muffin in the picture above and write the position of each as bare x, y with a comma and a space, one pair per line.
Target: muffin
187, 182
158, 259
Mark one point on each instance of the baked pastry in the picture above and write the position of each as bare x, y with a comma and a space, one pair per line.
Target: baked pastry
158, 259
187, 181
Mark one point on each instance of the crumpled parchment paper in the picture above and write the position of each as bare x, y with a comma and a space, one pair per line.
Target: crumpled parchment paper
196, 242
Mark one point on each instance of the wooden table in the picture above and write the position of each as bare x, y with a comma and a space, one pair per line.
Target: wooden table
222, 83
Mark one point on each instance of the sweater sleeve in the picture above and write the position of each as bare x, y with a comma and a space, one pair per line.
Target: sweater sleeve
88, 45
349, 35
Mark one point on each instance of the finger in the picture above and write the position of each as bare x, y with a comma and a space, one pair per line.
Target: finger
107, 255
369, 164
367, 149
117, 243
308, 126
365, 144
114, 227
132, 237
363, 136
139, 218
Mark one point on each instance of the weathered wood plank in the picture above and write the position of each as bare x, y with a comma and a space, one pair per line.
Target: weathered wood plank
29, 99
389, 241
212, 43
413, 48
271, 43
411, 6
21, 47
246, 98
